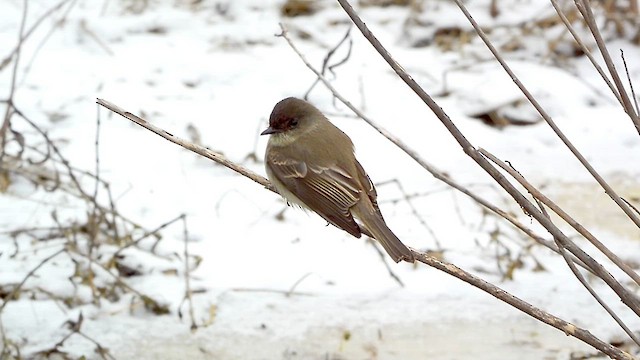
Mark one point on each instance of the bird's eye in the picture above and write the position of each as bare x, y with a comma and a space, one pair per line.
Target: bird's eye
294, 122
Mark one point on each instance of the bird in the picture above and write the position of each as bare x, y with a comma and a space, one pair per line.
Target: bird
312, 163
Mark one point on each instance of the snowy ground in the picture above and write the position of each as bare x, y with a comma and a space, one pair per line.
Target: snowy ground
220, 70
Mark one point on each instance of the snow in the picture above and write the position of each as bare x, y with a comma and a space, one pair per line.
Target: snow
220, 71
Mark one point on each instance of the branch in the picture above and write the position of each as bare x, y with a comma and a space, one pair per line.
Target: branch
543, 200
434, 171
566, 217
586, 50
6, 124
200, 150
449, 268
18, 287
473, 153
587, 14
608, 189
564, 326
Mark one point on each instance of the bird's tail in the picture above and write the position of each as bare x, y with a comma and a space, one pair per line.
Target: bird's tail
375, 224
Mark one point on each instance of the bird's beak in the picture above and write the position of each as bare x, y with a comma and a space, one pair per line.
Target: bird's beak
270, 130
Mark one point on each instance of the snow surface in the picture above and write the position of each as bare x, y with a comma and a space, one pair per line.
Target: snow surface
221, 73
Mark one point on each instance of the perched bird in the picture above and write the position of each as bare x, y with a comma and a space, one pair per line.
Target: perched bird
312, 164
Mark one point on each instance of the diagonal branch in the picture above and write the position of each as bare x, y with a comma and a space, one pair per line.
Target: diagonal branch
624, 294
587, 14
542, 200
608, 189
562, 325
568, 328
435, 172
566, 217
200, 150
586, 50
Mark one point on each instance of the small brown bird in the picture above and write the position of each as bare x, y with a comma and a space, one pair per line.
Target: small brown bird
312, 164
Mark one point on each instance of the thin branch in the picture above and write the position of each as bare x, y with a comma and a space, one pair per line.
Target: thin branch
137, 241
633, 91
542, 201
37, 173
564, 326
17, 288
473, 153
325, 62
75, 327
631, 205
63, 160
593, 293
33, 27
622, 292
58, 23
383, 258
414, 210
209, 154
586, 50
608, 189
293, 287
566, 217
97, 155
6, 124
187, 273
585, 9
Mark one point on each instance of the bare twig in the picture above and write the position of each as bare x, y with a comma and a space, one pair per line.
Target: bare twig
566, 217
622, 292
633, 91
608, 189
586, 51
33, 27
18, 287
325, 62
62, 159
148, 302
75, 327
146, 234
97, 155
383, 258
209, 154
57, 24
293, 287
6, 124
564, 326
414, 210
631, 205
542, 200
286, 293
187, 273
585, 9
85, 27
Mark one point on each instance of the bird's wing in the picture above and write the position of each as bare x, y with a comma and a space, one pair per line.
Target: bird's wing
368, 187
329, 191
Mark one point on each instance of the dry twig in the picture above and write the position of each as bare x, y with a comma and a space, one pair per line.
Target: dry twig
585, 9
542, 201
